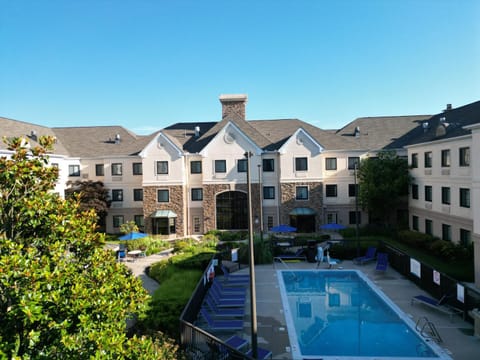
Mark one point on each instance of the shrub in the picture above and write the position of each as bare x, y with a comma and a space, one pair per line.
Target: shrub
415, 239
262, 252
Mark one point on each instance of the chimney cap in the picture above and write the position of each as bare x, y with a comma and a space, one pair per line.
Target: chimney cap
233, 98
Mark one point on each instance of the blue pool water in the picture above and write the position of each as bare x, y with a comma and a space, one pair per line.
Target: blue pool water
342, 314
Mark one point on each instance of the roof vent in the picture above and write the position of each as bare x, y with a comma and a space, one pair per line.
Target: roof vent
117, 139
448, 108
425, 126
197, 131
33, 135
356, 133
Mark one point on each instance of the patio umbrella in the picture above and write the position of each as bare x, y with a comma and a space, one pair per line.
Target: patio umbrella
332, 227
132, 236
283, 228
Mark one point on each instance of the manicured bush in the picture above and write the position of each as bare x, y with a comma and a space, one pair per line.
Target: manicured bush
262, 252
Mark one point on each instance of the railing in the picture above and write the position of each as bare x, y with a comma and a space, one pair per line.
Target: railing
428, 329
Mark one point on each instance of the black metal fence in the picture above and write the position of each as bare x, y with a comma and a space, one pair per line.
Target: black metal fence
434, 282
197, 342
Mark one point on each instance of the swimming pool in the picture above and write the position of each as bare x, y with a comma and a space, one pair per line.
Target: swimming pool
343, 315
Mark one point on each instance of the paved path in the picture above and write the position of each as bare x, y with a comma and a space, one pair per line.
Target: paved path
139, 266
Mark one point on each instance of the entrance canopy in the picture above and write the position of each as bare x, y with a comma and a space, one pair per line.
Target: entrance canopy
302, 212
163, 214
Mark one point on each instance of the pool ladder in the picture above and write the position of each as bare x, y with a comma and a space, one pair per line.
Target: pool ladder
275, 259
428, 329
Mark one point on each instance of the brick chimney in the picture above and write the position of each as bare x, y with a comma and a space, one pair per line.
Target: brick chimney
233, 106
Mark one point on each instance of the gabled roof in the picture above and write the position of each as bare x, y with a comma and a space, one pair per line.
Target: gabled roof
99, 141
16, 128
382, 132
447, 124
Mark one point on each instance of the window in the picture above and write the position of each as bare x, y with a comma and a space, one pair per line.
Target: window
415, 222
139, 221
268, 165
428, 227
196, 224
137, 169
220, 166
414, 160
353, 190
331, 190
352, 162
428, 159
269, 192
445, 158
163, 196
464, 197
242, 165
446, 232
137, 194
73, 170
415, 191
302, 193
331, 164
197, 194
99, 170
117, 169
117, 195
428, 193
301, 164
465, 237
464, 156
117, 221
269, 222
162, 167
353, 217
195, 167
445, 195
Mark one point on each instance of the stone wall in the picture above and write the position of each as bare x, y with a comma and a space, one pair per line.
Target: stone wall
289, 202
175, 204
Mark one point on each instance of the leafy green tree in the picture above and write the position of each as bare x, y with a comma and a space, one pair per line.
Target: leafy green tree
92, 195
62, 295
383, 186
128, 227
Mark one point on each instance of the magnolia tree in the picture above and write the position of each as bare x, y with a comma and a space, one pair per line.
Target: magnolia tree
62, 296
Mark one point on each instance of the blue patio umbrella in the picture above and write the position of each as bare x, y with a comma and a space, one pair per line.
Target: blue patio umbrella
283, 228
132, 236
332, 227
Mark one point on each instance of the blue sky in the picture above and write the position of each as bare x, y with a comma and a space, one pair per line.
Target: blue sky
148, 64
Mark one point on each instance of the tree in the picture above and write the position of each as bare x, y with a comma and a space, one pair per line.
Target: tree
128, 227
383, 185
92, 195
62, 295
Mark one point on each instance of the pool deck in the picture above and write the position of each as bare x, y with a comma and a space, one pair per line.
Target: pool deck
457, 335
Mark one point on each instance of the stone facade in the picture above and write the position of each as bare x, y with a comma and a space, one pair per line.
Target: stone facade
175, 204
289, 202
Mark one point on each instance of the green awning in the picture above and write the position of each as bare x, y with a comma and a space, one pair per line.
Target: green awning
163, 214
302, 212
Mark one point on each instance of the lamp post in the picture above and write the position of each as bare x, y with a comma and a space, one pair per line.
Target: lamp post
251, 261
260, 192
356, 207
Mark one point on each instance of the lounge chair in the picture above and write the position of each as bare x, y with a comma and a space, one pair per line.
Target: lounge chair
225, 289
369, 256
221, 325
236, 342
261, 353
382, 262
234, 280
332, 262
440, 305
222, 295
223, 312
226, 303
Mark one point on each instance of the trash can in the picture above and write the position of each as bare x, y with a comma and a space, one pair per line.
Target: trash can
311, 250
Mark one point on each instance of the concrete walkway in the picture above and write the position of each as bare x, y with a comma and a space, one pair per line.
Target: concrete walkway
139, 266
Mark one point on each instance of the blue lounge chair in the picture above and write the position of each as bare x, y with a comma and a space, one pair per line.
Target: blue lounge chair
369, 256
225, 296
221, 325
261, 353
223, 312
439, 305
240, 279
382, 262
225, 290
236, 342
226, 303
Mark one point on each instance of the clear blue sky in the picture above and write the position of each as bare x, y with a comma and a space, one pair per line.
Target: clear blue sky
148, 64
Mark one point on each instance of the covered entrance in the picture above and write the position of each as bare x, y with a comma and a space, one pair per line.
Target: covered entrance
163, 222
303, 219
